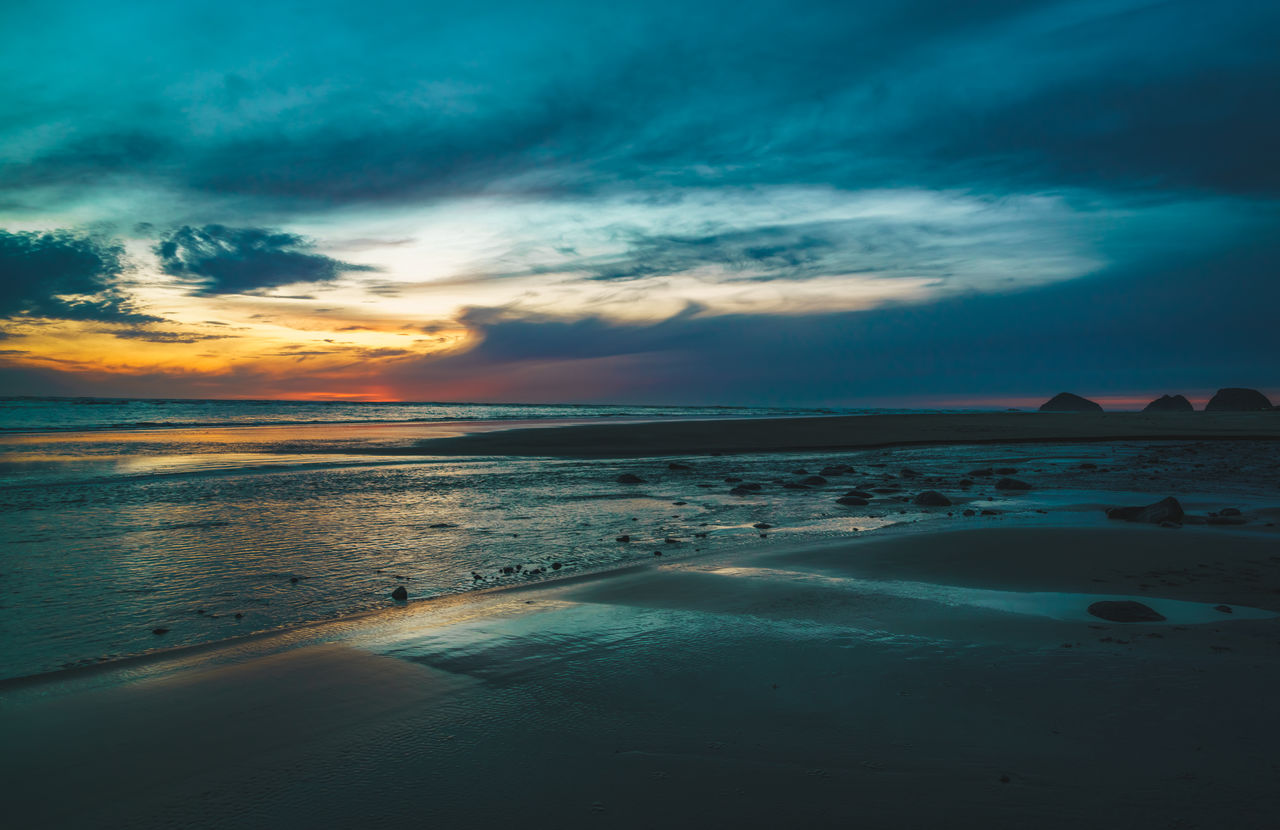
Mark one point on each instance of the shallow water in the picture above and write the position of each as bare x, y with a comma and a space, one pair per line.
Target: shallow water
217, 533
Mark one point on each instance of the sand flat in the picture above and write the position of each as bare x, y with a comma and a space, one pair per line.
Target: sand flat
763, 688
852, 431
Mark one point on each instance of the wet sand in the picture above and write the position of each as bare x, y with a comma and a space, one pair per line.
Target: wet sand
851, 683
851, 432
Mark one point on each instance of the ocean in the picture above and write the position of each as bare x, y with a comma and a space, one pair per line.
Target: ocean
209, 520
213, 519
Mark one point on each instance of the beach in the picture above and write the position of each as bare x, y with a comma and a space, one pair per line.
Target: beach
882, 666
858, 432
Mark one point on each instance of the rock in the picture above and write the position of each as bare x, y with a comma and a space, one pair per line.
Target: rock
508, 570
441, 525
932, 498
1229, 511
1126, 611
800, 472
1226, 609
1165, 510
657, 553
1012, 484
762, 525
858, 494
399, 594
628, 478
751, 485
835, 470
852, 501
555, 566
814, 481
1067, 402
791, 485
623, 538
1006, 471
671, 540
159, 631
1169, 403
1088, 465
968, 513
293, 580
675, 465
983, 473
1238, 400
732, 480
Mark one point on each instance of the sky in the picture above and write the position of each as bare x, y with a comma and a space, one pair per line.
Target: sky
881, 203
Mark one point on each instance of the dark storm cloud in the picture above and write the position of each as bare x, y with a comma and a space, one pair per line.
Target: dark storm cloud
986, 95
224, 260
63, 275
1152, 329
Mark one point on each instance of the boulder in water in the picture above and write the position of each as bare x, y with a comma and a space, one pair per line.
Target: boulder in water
1165, 510
932, 498
852, 501
1125, 611
1169, 403
629, 478
1238, 400
399, 594
1012, 484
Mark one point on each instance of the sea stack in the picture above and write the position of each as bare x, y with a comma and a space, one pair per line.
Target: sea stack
1067, 402
1238, 400
1169, 403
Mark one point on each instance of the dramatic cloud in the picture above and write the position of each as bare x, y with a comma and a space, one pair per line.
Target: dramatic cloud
244, 260
732, 200
63, 275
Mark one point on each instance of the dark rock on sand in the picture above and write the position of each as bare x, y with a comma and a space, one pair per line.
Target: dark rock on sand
399, 594
932, 498
1012, 484
814, 481
442, 525
1229, 511
852, 501
1125, 611
1165, 510
800, 472
1169, 403
1238, 400
1226, 609
628, 478
623, 538
968, 513
762, 525
675, 465
1068, 402
555, 566
159, 631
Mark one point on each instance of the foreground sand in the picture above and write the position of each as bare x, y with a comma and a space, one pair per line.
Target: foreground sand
849, 432
815, 686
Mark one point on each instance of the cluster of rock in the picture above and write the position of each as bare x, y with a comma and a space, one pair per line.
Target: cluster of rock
1168, 512
1232, 399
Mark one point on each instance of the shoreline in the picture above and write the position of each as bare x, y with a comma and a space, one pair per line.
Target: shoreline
849, 432
818, 683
